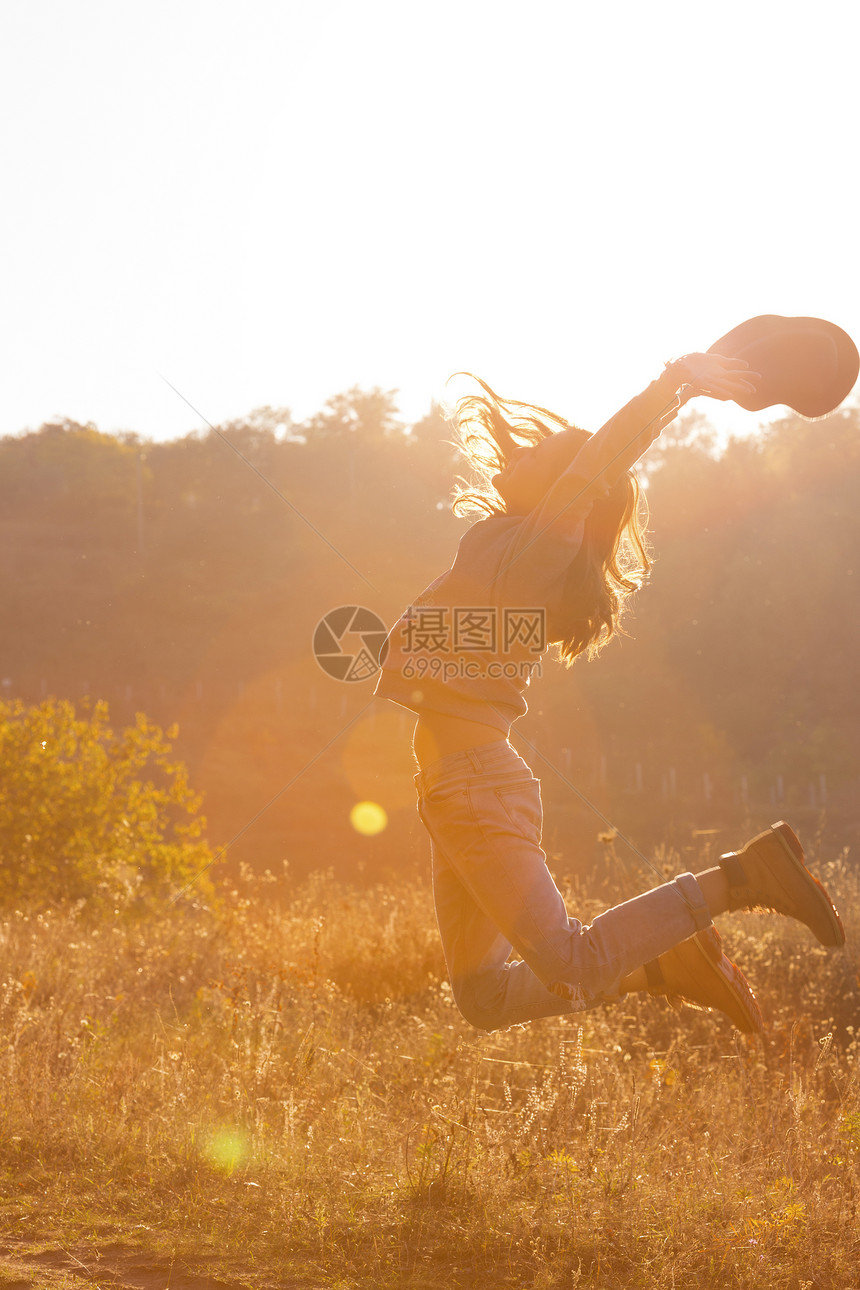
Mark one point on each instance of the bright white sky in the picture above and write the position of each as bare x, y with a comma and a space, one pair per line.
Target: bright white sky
271, 202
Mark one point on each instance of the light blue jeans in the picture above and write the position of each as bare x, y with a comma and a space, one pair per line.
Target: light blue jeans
494, 893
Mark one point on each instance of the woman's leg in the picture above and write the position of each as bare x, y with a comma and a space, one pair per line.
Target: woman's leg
490, 992
494, 890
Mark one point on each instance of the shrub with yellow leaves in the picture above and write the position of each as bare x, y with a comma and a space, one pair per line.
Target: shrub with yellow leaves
87, 814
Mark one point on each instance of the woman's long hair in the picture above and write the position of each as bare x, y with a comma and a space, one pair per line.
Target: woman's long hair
613, 560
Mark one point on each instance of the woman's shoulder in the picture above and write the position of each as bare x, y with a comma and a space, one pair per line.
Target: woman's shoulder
486, 538
490, 530
484, 549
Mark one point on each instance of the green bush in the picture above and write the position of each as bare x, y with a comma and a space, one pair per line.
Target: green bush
87, 814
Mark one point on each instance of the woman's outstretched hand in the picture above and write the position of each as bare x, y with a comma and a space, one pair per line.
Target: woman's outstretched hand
714, 376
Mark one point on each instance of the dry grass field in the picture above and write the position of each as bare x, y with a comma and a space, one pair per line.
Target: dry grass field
278, 1092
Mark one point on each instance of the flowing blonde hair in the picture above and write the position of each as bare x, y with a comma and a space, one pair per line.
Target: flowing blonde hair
613, 560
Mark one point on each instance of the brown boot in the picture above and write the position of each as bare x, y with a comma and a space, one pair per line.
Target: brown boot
770, 873
698, 972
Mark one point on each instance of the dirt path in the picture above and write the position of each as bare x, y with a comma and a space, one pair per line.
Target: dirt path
112, 1268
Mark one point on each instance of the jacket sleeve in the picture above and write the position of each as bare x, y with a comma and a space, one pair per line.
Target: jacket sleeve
620, 443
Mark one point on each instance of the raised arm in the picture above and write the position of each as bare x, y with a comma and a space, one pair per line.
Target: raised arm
620, 443
553, 530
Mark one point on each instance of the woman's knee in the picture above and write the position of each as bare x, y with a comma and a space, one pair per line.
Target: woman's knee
478, 1002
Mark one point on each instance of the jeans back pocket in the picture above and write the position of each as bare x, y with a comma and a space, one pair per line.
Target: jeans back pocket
521, 803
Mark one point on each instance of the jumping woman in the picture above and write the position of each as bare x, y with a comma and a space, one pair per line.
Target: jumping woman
557, 551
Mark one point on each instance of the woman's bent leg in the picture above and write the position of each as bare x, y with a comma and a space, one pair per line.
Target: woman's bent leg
490, 992
494, 890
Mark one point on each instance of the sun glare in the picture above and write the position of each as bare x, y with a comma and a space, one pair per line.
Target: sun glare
368, 818
226, 1149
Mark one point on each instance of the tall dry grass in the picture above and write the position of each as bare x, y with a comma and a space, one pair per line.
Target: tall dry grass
281, 1091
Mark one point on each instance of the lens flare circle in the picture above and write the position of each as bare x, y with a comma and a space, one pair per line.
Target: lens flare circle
226, 1148
368, 818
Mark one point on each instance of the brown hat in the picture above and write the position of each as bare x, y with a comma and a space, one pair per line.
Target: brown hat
807, 363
